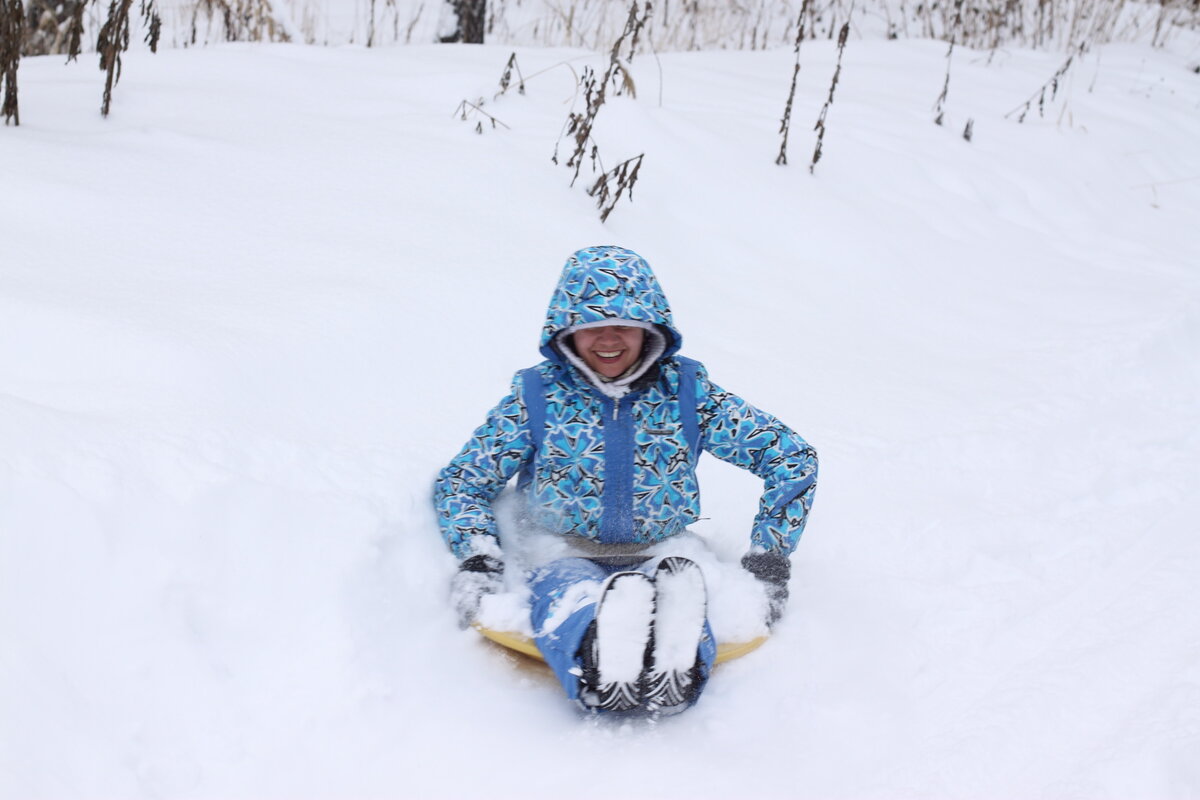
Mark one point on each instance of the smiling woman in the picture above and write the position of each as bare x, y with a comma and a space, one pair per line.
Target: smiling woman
610, 350
605, 434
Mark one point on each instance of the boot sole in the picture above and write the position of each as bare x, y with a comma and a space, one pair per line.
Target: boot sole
624, 616
681, 605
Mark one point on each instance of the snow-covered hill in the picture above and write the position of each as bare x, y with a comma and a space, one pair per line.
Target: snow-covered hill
245, 320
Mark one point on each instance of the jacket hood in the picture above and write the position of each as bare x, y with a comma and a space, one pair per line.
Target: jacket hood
607, 283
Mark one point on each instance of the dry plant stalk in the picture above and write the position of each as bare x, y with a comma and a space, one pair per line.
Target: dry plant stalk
785, 124
633, 28
579, 125
12, 27
75, 29
506, 77
49, 26
242, 20
412, 23
612, 184
113, 40
1051, 86
153, 24
985, 24
939, 107
466, 108
388, 5
624, 176
837, 72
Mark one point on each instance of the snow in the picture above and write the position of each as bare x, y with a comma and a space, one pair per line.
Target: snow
245, 320
679, 612
627, 606
737, 605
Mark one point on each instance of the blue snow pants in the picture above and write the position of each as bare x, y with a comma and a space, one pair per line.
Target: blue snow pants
577, 581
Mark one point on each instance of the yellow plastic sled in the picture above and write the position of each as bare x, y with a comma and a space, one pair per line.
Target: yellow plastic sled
726, 651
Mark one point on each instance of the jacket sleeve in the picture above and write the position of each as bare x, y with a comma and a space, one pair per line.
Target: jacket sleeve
737, 432
466, 487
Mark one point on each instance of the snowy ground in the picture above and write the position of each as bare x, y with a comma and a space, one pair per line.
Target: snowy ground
245, 320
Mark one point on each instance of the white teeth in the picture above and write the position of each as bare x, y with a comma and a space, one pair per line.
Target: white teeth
613, 354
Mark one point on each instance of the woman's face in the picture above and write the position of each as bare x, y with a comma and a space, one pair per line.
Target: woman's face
611, 349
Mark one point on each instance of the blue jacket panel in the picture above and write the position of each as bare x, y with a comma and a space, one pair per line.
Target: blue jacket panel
628, 479
619, 471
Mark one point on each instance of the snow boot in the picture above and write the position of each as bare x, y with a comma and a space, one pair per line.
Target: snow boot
672, 677
613, 651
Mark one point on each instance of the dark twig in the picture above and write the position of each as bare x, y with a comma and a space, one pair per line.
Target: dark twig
506, 77
837, 72
940, 106
75, 29
243, 20
466, 107
785, 124
624, 175
111, 43
579, 125
1050, 86
114, 40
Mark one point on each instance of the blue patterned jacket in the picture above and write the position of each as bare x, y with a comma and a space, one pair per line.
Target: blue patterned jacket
619, 471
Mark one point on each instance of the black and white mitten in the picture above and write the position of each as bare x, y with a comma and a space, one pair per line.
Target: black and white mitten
476, 576
773, 570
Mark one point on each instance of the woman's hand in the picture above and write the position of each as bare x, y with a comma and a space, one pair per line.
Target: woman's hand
772, 570
476, 576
